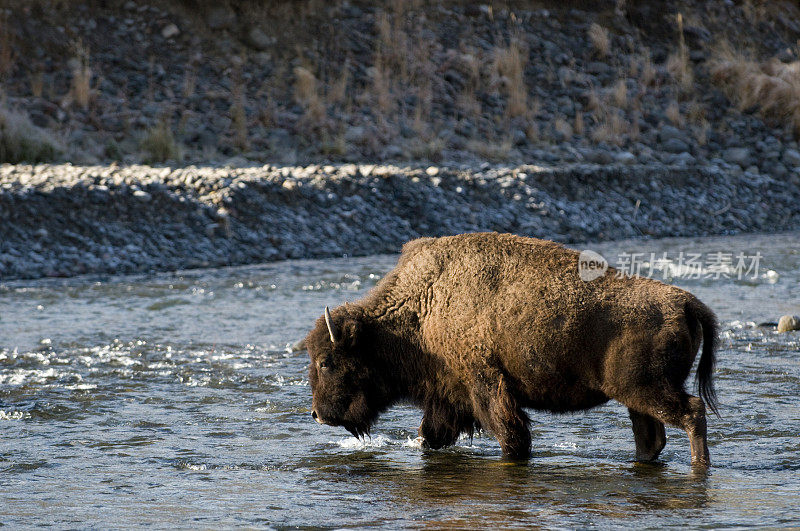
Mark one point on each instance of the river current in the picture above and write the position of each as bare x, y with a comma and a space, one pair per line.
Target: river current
178, 400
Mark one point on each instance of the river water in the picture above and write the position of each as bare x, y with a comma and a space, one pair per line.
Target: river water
176, 400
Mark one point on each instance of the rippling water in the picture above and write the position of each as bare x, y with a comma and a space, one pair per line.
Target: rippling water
176, 399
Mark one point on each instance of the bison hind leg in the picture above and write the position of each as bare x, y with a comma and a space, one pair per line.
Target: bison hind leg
649, 435
679, 409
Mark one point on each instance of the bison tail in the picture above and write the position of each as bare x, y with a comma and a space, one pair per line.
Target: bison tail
705, 368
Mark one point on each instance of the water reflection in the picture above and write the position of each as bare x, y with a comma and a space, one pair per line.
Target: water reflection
454, 488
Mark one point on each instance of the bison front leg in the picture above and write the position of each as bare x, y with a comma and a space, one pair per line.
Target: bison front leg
498, 411
649, 435
441, 426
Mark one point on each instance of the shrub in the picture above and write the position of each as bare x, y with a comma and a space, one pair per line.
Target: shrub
159, 143
771, 87
21, 141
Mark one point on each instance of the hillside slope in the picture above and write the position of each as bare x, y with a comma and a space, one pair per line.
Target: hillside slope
288, 82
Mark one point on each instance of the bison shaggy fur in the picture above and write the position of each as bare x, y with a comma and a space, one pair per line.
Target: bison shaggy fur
476, 328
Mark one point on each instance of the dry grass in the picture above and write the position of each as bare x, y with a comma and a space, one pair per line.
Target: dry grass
37, 84
509, 70
189, 80
21, 141
696, 113
600, 40
634, 130
611, 128
7, 56
680, 70
647, 75
772, 87
619, 94
306, 93
159, 143
81, 89
333, 145
382, 86
579, 126
673, 114
497, 151
337, 93
430, 149
238, 109
593, 101
678, 65
532, 132
561, 126
467, 102
393, 45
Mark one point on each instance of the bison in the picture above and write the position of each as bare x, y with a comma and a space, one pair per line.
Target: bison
475, 328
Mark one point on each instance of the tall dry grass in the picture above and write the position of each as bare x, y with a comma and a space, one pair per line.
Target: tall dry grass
81, 88
678, 64
307, 93
509, 70
7, 56
611, 129
600, 40
770, 86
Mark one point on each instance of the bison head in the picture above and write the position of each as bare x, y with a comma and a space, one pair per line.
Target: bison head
345, 381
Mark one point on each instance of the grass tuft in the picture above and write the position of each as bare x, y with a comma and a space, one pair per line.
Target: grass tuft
21, 141
600, 40
771, 87
509, 68
159, 143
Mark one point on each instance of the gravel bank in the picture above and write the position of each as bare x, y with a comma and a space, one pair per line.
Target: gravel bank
64, 220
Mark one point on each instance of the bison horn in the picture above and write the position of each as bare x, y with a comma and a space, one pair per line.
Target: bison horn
329, 322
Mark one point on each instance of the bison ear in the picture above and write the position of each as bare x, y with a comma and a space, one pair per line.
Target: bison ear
350, 333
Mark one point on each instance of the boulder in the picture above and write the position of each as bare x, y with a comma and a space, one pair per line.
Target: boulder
737, 155
788, 323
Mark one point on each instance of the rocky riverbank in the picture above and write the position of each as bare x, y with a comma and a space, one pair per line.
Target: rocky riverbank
298, 82
65, 220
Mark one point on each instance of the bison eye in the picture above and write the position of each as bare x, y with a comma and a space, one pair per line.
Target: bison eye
325, 364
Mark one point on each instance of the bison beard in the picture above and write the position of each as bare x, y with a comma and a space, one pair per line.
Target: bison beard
477, 327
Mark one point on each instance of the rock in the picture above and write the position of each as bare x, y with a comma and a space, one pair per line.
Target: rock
142, 196
788, 323
599, 156
432, 171
625, 157
169, 31
684, 159
675, 145
220, 18
598, 68
791, 157
392, 151
737, 155
258, 39
667, 132
355, 134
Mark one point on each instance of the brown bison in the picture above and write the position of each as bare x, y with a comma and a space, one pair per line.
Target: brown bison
475, 328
